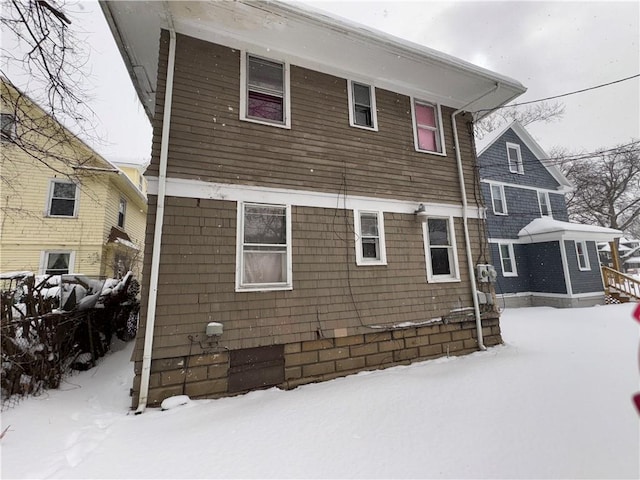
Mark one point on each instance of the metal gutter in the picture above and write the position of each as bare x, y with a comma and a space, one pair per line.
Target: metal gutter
157, 234
465, 207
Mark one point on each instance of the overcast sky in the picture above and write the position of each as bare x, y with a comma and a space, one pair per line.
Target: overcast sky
551, 47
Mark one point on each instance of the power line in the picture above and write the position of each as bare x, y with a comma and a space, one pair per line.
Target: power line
559, 96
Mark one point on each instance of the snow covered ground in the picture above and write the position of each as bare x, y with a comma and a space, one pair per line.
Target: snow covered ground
553, 402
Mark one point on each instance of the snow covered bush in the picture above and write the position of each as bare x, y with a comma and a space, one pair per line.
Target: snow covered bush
51, 324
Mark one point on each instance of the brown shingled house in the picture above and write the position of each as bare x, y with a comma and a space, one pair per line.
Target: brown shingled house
313, 209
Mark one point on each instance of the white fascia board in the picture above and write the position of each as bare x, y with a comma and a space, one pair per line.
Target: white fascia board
306, 38
186, 188
524, 187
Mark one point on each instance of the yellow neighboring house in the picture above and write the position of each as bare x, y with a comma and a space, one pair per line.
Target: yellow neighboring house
63, 208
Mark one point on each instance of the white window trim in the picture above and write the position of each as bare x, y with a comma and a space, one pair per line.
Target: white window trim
415, 127
372, 99
360, 260
44, 257
261, 287
511, 256
586, 255
502, 197
548, 200
76, 202
519, 166
124, 213
244, 92
455, 274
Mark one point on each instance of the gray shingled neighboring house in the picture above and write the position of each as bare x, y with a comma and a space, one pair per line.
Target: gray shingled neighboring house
541, 258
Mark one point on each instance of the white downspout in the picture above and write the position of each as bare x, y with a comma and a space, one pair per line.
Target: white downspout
467, 242
157, 234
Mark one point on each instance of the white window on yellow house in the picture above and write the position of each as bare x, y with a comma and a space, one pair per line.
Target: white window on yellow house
122, 210
63, 199
56, 262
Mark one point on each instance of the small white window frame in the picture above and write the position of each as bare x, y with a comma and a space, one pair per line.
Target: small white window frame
360, 259
502, 198
44, 259
244, 91
454, 276
585, 255
261, 287
511, 258
543, 197
123, 201
76, 201
518, 167
352, 105
440, 130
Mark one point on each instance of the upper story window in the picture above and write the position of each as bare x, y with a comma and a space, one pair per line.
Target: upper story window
507, 260
427, 130
545, 205
440, 250
362, 106
264, 247
583, 255
370, 245
63, 201
122, 210
515, 158
264, 96
7, 127
498, 199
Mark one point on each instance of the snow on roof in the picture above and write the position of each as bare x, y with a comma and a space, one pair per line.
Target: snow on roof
546, 229
607, 248
632, 260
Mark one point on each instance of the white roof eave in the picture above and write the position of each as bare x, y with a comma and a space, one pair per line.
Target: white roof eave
304, 37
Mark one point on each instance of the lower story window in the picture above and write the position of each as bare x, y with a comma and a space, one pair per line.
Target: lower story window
57, 263
583, 255
264, 247
370, 247
507, 260
440, 250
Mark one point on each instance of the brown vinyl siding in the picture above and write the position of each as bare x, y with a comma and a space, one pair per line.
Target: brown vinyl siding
324, 323
198, 267
320, 152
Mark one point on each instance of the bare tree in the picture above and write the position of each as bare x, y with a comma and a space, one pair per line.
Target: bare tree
43, 54
607, 187
539, 112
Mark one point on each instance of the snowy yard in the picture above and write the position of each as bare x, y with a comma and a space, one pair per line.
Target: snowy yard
553, 402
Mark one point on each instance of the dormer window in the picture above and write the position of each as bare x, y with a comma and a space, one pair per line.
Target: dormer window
515, 158
265, 91
362, 106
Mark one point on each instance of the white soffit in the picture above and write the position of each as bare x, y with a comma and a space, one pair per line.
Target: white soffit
304, 37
